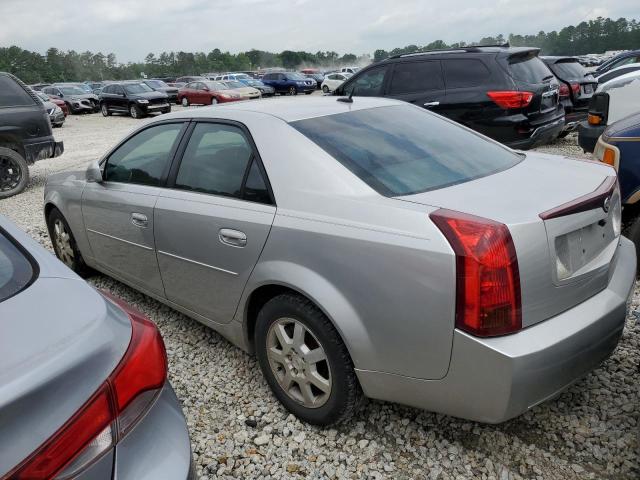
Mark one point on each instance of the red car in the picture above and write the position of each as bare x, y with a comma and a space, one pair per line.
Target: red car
59, 102
206, 93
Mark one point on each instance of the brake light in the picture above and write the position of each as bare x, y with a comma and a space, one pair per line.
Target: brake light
594, 119
576, 88
488, 299
110, 413
510, 98
564, 90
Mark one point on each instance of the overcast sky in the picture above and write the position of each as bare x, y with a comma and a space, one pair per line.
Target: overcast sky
133, 28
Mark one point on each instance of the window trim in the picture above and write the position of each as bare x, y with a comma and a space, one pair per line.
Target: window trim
255, 157
35, 267
172, 154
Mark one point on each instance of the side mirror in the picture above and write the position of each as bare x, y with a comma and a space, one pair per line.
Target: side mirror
94, 174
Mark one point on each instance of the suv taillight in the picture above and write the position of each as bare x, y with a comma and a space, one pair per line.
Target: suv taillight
487, 279
110, 413
509, 99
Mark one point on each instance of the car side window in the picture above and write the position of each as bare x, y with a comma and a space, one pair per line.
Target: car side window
368, 84
412, 77
215, 162
468, 72
12, 94
255, 188
118, 90
143, 158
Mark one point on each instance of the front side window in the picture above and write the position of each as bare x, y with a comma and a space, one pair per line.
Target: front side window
369, 84
412, 77
143, 158
215, 160
402, 150
16, 272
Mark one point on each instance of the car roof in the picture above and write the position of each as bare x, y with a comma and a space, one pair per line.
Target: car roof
289, 109
504, 49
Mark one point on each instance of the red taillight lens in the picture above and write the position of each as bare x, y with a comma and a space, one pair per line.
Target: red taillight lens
487, 279
576, 88
563, 90
510, 99
110, 413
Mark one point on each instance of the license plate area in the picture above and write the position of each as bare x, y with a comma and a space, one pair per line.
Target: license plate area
588, 88
549, 101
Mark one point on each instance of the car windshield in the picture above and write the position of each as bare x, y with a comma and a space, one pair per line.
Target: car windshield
235, 84
402, 150
16, 271
134, 88
156, 84
569, 70
71, 90
216, 85
296, 76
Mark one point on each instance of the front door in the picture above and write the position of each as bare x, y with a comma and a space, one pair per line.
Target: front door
118, 212
212, 221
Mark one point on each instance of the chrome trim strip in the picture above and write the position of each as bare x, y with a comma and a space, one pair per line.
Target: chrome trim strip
120, 239
197, 263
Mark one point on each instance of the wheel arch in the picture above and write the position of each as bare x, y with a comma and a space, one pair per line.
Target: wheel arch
12, 142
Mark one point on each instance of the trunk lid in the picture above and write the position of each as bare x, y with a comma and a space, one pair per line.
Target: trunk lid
564, 257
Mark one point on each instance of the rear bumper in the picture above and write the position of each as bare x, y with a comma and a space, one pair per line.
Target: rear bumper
588, 135
43, 149
493, 380
541, 134
158, 447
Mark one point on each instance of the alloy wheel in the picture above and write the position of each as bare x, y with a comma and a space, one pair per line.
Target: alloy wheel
185, 102
62, 240
299, 362
10, 174
105, 110
134, 111
292, 91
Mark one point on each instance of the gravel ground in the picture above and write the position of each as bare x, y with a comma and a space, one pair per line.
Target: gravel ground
238, 430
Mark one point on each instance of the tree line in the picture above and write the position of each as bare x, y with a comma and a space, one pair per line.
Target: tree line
594, 36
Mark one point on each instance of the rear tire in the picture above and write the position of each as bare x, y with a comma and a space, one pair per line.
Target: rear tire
14, 173
340, 395
185, 102
64, 243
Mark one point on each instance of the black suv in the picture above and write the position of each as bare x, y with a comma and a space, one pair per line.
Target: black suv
506, 93
133, 98
25, 134
577, 86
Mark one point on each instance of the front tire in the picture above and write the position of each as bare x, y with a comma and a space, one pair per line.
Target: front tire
185, 102
305, 362
325, 89
105, 110
293, 91
64, 243
14, 173
214, 101
135, 111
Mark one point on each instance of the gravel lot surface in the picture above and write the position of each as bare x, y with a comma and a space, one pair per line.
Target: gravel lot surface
238, 430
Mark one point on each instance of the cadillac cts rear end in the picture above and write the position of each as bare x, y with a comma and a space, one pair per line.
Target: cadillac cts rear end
83, 380
524, 255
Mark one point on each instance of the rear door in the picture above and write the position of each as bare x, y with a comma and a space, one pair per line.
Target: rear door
118, 212
419, 82
213, 220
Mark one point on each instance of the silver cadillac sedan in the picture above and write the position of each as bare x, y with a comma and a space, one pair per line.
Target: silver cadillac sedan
83, 378
363, 247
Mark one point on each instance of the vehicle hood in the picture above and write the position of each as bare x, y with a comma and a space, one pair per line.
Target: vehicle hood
60, 341
624, 128
149, 95
85, 96
538, 183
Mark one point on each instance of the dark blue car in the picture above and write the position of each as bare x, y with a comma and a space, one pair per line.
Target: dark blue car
619, 146
289, 83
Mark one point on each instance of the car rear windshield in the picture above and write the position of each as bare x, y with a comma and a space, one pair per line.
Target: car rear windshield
402, 150
16, 271
529, 68
569, 70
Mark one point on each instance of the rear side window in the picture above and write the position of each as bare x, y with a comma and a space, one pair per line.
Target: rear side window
143, 158
402, 150
529, 69
16, 271
569, 70
12, 94
411, 77
468, 72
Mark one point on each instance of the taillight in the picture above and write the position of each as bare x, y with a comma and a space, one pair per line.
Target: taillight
564, 90
576, 88
510, 98
487, 279
110, 413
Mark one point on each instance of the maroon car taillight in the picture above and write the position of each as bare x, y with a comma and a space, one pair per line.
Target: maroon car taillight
488, 299
563, 90
575, 87
110, 413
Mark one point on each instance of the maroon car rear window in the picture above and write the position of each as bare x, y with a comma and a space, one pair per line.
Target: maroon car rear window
16, 270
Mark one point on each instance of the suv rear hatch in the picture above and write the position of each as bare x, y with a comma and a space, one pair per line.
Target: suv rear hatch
565, 239
581, 84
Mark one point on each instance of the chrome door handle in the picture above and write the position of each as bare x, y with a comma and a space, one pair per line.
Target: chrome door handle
431, 104
139, 220
234, 238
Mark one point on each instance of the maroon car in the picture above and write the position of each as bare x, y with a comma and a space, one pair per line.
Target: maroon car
206, 93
